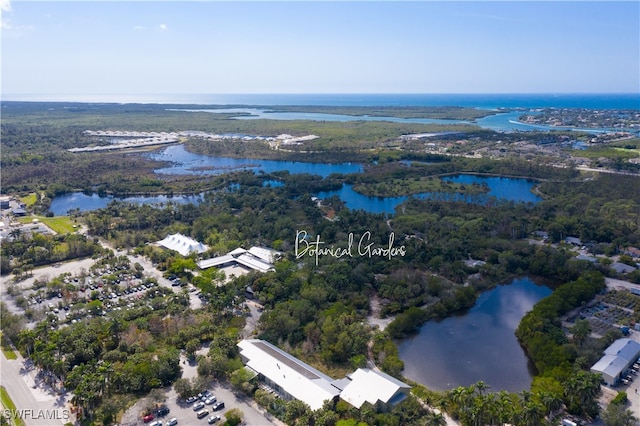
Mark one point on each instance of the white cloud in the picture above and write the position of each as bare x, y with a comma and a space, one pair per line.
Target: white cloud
5, 5
138, 28
163, 27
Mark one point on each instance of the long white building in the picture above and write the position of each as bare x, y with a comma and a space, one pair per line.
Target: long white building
293, 379
287, 375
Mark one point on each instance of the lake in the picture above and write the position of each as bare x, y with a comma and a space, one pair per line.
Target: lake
479, 345
61, 204
184, 162
505, 189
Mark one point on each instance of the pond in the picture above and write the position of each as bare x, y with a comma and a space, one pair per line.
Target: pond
479, 345
61, 204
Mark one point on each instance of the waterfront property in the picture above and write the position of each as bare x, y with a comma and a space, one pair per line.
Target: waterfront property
182, 244
375, 387
617, 360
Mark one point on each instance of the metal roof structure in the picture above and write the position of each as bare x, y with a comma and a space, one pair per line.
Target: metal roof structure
374, 387
291, 375
256, 258
617, 358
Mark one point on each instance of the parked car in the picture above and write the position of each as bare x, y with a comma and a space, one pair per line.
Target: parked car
156, 423
211, 420
172, 422
162, 411
204, 394
148, 418
202, 414
210, 400
198, 406
218, 406
191, 400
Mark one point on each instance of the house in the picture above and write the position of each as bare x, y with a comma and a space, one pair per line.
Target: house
182, 244
622, 268
574, 241
19, 212
587, 258
617, 359
375, 387
634, 252
288, 376
5, 202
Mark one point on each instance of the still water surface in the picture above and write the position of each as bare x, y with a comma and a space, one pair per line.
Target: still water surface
479, 345
187, 163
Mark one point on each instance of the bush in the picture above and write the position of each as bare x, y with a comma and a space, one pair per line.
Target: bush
620, 399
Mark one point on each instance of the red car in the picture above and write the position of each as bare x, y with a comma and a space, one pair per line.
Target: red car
147, 418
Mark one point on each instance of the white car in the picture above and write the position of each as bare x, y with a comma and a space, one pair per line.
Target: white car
210, 400
198, 406
172, 422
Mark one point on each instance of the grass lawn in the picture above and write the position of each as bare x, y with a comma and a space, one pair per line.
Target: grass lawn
30, 199
60, 224
631, 151
6, 350
8, 404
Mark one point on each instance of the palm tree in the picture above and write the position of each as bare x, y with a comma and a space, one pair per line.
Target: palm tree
435, 419
550, 402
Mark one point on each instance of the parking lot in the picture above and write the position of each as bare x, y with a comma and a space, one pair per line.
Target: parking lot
185, 415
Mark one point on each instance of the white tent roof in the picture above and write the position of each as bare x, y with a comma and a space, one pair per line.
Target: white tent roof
183, 244
298, 379
373, 386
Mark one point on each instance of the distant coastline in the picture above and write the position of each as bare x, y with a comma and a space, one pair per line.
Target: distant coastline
482, 101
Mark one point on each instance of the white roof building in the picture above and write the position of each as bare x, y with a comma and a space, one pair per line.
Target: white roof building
618, 357
183, 244
256, 258
289, 376
375, 387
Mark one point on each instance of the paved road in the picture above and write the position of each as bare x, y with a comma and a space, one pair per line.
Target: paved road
39, 405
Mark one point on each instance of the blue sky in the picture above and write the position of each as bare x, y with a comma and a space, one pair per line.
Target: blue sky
149, 47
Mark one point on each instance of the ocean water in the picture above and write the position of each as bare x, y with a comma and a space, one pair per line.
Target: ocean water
483, 101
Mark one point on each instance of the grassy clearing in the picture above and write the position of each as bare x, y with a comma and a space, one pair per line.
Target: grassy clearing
613, 153
60, 224
30, 199
8, 404
6, 350
634, 151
